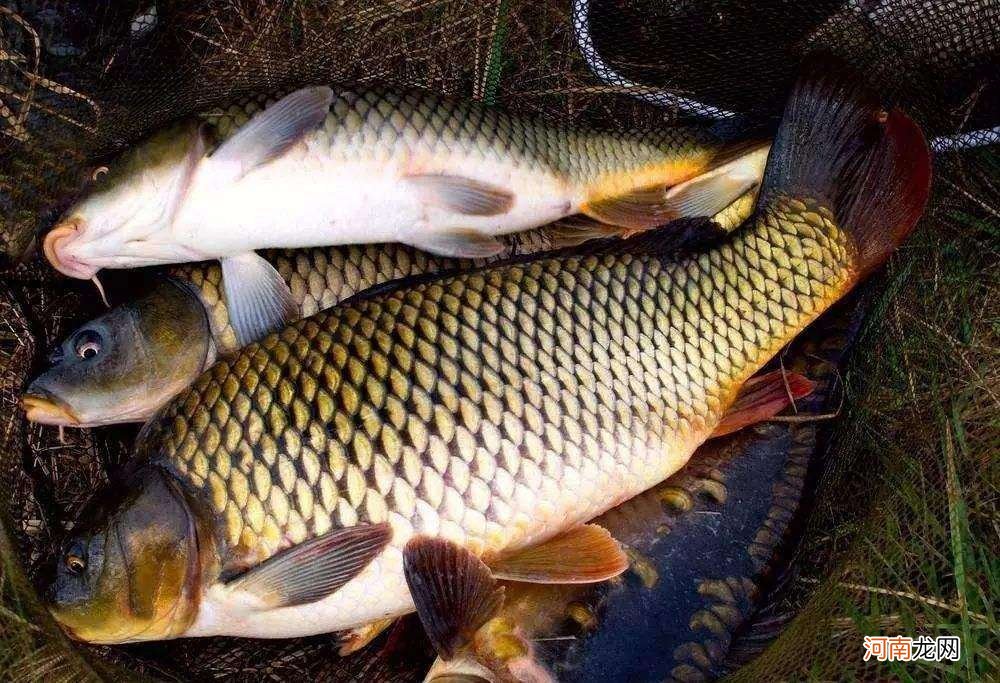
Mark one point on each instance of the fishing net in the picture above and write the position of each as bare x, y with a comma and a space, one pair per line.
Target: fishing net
898, 531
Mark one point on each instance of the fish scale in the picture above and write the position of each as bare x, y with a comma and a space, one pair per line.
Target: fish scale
498, 406
375, 122
320, 277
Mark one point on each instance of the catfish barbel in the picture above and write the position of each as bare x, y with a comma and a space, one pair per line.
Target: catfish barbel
127, 363
409, 449
323, 167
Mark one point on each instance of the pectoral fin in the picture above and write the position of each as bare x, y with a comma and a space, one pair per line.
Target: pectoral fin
258, 298
315, 569
586, 554
273, 131
465, 244
461, 195
763, 397
454, 592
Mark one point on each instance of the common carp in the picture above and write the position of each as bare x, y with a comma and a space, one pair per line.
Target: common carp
127, 363
323, 167
409, 449
704, 549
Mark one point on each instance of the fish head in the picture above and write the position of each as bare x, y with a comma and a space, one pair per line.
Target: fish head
132, 569
124, 365
123, 219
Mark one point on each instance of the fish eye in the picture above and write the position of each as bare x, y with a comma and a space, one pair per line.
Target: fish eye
75, 564
98, 172
87, 344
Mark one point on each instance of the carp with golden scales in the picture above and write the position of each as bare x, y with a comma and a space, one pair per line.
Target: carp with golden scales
411, 448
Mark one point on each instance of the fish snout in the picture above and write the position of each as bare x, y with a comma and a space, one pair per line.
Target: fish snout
41, 407
57, 248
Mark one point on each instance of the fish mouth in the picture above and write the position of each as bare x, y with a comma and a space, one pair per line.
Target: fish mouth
55, 246
47, 410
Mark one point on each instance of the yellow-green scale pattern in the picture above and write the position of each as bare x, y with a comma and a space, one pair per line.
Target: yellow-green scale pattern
320, 277
491, 407
378, 124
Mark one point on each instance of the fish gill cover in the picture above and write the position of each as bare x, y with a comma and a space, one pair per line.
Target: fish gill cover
897, 535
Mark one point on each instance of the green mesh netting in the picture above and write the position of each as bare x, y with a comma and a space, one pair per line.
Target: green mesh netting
896, 531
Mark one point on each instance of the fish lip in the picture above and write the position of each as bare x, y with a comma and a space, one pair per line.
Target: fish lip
54, 246
41, 407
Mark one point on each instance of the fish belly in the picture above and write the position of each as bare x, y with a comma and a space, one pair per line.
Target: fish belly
310, 199
380, 590
293, 204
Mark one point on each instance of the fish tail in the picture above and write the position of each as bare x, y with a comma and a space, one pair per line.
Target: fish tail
837, 145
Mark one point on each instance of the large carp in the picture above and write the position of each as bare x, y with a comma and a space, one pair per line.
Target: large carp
411, 448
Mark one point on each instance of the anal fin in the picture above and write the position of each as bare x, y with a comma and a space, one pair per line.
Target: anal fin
640, 209
453, 591
585, 554
738, 171
258, 298
709, 193
761, 398
316, 568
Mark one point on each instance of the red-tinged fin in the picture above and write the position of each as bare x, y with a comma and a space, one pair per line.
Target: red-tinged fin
901, 182
453, 591
838, 145
315, 569
586, 554
761, 398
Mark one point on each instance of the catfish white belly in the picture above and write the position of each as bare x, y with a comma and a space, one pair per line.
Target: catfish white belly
309, 198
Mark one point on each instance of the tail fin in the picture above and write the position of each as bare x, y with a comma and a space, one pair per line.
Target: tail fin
837, 144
